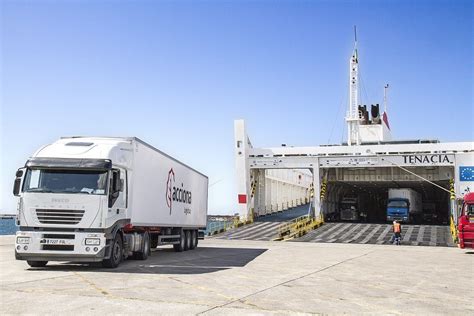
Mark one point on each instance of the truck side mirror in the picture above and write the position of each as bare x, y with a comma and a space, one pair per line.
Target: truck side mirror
17, 183
16, 187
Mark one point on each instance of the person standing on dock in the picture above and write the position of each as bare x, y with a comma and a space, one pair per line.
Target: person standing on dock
397, 232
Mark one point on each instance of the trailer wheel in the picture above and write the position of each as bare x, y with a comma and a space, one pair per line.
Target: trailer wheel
182, 242
116, 253
36, 264
193, 239
188, 244
145, 252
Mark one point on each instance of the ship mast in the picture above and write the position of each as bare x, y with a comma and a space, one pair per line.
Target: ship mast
352, 117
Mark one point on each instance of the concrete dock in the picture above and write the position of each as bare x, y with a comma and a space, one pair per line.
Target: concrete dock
249, 277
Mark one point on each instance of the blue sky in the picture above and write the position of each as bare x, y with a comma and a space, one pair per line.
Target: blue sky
177, 73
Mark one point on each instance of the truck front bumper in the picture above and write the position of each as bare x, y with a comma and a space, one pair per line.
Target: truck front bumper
397, 218
60, 246
466, 239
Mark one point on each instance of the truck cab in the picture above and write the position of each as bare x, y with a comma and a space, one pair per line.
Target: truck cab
398, 209
67, 208
466, 222
349, 209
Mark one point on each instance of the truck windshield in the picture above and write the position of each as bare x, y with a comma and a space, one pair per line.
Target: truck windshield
65, 181
397, 204
470, 210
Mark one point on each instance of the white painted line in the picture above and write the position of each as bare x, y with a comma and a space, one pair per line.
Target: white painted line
382, 238
362, 231
349, 232
433, 235
336, 226
407, 235
421, 232
343, 228
371, 234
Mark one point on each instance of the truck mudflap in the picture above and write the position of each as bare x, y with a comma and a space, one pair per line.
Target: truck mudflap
60, 246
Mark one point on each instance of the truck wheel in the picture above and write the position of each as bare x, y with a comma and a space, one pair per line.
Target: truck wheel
182, 242
193, 239
116, 253
36, 264
145, 252
188, 245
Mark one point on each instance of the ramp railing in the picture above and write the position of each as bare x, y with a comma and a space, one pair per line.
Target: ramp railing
298, 227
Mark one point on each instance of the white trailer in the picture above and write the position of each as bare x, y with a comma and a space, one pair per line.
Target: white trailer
103, 199
404, 204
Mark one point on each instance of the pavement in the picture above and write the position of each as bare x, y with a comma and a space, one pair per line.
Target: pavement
242, 277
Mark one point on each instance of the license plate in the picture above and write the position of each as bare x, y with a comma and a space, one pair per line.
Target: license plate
45, 241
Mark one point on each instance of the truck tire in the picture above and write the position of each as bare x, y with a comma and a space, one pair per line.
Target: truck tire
145, 252
116, 253
188, 244
193, 239
182, 242
36, 264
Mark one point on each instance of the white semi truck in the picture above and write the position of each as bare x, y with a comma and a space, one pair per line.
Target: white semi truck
103, 199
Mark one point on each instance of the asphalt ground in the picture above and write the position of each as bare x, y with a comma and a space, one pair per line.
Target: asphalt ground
235, 277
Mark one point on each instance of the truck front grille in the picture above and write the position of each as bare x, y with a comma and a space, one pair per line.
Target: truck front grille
51, 216
59, 236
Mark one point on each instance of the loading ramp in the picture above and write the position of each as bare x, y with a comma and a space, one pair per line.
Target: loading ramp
264, 227
363, 233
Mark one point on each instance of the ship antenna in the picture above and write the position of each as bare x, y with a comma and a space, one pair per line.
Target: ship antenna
355, 34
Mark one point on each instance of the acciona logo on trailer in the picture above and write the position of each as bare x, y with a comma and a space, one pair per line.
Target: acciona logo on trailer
176, 194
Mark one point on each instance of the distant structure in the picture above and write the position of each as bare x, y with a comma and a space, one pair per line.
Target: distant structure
360, 127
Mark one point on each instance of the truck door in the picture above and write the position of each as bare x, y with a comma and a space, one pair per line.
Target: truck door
118, 194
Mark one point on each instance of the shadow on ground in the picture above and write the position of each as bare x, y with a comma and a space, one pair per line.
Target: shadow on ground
166, 261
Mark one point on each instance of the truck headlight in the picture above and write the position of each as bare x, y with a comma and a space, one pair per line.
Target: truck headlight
22, 240
92, 241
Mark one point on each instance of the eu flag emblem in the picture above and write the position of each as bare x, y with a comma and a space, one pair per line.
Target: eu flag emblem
466, 173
